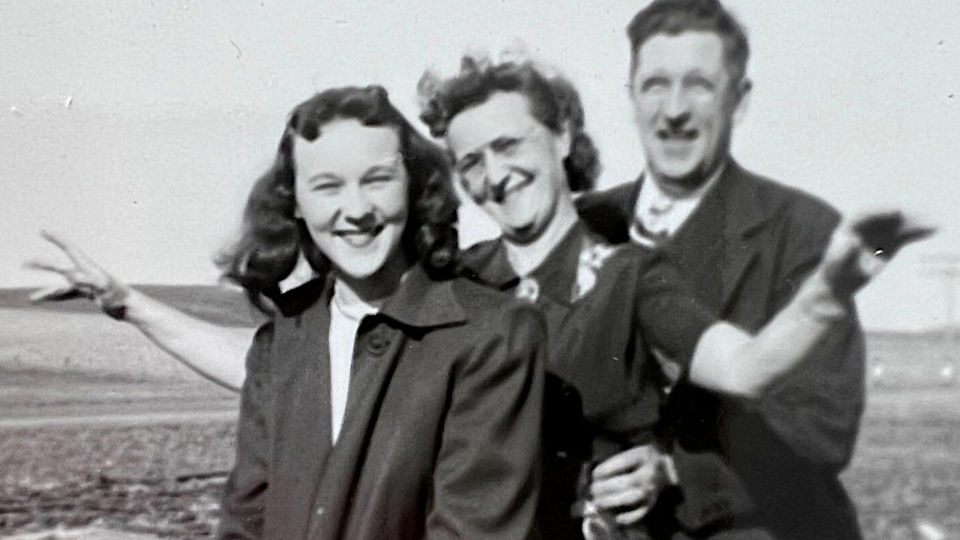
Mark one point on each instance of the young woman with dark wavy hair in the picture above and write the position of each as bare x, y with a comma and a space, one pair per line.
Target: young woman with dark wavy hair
275, 235
386, 398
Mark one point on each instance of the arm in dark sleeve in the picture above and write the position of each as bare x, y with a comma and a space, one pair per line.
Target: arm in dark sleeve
487, 474
242, 506
816, 409
671, 320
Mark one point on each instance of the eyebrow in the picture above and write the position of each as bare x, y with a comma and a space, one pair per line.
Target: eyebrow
381, 168
503, 137
387, 165
388, 162
323, 176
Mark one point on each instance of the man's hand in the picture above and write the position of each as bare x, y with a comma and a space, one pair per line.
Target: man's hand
628, 484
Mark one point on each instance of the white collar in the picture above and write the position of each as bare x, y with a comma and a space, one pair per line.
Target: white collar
663, 213
349, 304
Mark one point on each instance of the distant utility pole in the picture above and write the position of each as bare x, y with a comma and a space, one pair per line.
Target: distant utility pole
946, 268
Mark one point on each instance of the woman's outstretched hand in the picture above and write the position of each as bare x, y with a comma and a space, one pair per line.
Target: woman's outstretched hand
85, 279
862, 246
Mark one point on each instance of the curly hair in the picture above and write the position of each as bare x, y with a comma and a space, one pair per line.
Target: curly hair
272, 238
673, 17
554, 102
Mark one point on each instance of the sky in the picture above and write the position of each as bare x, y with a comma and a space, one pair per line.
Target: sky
136, 128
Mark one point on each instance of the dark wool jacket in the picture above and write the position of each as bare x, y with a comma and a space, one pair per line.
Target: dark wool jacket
772, 463
441, 437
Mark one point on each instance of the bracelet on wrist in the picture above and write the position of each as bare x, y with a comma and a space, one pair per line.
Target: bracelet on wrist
113, 301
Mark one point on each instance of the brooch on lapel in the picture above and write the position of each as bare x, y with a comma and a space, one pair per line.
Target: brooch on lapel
592, 259
528, 289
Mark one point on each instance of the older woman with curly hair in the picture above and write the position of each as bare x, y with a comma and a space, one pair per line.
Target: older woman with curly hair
387, 398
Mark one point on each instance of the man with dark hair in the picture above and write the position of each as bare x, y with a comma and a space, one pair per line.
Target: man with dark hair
748, 468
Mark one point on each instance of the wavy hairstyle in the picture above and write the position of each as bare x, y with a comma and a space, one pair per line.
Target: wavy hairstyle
272, 238
554, 102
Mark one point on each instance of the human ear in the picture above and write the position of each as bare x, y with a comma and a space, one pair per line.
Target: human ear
743, 99
563, 141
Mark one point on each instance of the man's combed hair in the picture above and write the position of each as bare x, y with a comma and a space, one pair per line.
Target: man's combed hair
273, 239
554, 102
673, 17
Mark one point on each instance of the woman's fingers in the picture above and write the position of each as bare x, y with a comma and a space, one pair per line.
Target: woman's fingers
77, 277
55, 294
78, 257
632, 517
48, 267
623, 462
86, 278
83, 272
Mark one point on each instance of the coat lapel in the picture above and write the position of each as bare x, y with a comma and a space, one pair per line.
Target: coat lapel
301, 376
744, 213
721, 234
373, 363
487, 263
310, 360
419, 304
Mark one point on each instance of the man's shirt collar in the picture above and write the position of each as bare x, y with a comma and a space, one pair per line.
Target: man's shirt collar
659, 215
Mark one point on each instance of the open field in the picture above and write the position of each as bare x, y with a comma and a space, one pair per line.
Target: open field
153, 478
140, 443
905, 475
161, 477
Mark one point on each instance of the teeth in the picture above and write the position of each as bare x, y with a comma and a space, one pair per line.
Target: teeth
362, 232
681, 136
359, 238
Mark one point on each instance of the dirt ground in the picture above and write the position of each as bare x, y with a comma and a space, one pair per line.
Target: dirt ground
905, 475
111, 435
164, 478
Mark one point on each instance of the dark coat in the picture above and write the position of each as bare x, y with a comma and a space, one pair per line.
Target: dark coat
441, 437
773, 462
606, 309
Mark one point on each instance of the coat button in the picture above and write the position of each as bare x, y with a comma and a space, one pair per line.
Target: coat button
320, 511
377, 343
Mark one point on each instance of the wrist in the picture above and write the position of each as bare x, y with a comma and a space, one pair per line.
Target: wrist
113, 300
820, 301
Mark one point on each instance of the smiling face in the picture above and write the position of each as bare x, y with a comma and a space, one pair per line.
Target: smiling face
685, 104
509, 163
351, 191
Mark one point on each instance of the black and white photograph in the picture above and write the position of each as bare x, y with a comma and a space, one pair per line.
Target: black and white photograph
412, 269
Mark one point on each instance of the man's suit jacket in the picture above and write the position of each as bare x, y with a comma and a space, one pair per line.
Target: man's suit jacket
771, 462
441, 437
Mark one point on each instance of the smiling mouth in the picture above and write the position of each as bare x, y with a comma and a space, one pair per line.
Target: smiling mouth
359, 237
499, 191
677, 135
